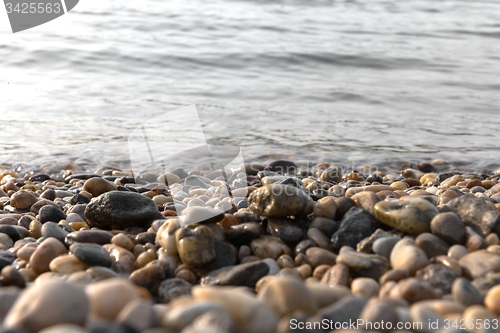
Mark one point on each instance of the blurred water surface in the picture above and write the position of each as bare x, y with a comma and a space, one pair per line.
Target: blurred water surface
347, 81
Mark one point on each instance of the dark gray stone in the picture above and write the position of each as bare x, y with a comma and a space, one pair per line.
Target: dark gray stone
286, 229
6, 258
464, 292
243, 233
241, 275
119, 210
91, 254
173, 288
52, 229
356, 225
50, 213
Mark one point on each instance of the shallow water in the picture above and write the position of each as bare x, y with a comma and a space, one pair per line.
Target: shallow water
344, 81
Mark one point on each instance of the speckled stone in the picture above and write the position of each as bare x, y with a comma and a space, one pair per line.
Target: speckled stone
439, 276
412, 216
279, 200
478, 263
196, 247
170, 289
476, 213
267, 247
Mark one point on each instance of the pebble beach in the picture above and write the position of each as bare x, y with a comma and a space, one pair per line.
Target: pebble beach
295, 248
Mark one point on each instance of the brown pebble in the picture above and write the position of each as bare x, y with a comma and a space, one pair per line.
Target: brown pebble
365, 287
144, 258
317, 256
187, 275
491, 239
473, 240
449, 227
336, 275
123, 241
12, 277
67, 264
48, 250
413, 290
320, 270
431, 245
394, 275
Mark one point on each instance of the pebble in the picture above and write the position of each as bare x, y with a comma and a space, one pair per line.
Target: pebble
478, 263
378, 311
11, 277
285, 295
149, 277
449, 227
48, 250
327, 226
393, 275
64, 328
170, 289
366, 200
182, 314
492, 300
457, 251
412, 216
52, 229
364, 265
67, 264
88, 236
46, 304
408, 256
356, 225
337, 275
465, 293
325, 207
478, 313
439, 276
252, 315
332, 174
108, 297
91, 254
348, 309
473, 241
50, 213
383, 246
97, 186
432, 245
280, 201
319, 238
365, 287
413, 290
476, 213
196, 247
286, 229
241, 275
123, 259
317, 256
23, 200
267, 247
118, 210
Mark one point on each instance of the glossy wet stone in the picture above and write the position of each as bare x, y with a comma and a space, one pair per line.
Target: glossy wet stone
243, 233
241, 275
91, 254
89, 236
149, 277
286, 229
118, 210
356, 225
412, 216
364, 265
195, 247
278, 200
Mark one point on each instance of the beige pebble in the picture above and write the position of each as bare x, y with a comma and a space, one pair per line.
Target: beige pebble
325, 207
26, 251
457, 251
365, 287
319, 238
336, 275
46, 304
477, 313
109, 297
305, 271
326, 295
491, 239
492, 300
366, 200
408, 256
267, 247
251, 314
67, 264
64, 328
123, 241
285, 261
144, 258
45, 252
97, 186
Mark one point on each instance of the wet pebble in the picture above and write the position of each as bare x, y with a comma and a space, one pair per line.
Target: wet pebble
91, 254
278, 200
196, 247
241, 275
